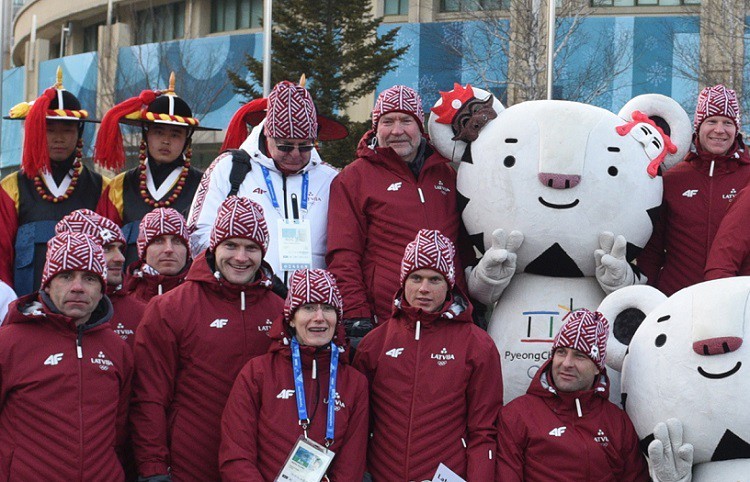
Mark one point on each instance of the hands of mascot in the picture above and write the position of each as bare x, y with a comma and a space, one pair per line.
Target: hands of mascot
492, 275
671, 459
612, 268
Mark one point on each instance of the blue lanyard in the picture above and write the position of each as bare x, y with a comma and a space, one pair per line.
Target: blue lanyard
299, 390
272, 191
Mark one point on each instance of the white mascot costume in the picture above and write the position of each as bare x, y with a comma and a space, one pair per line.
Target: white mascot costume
685, 384
558, 197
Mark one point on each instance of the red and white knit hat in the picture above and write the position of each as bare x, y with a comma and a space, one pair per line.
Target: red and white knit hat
398, 98
586, 332
74, 252
161, 222
291, 113
429, 250
312, 286
239, 217
103, 230
717, 100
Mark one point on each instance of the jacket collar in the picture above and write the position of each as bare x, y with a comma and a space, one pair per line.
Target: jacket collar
38, 306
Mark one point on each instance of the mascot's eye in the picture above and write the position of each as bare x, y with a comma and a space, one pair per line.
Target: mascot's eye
612, 171
509, 161
660, 340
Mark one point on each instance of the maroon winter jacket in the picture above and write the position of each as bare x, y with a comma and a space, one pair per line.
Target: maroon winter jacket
730, 252
128, 311
697, 193
145, 286
376, 208
435, 390
62, 413
189, 348
261, 425
542, 436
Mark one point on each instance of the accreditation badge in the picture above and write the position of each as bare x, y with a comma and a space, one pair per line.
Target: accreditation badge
307, 462
295, 244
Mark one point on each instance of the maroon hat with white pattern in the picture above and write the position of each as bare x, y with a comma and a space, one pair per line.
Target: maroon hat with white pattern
586, 332
429, 250
103, 230
74, 252
398, 98
312, 286
239, 217
717, 100
161, 222
291, 113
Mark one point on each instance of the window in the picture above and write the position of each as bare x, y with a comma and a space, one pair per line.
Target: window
473, 5
91, 37
159, 24
395, 7
235, 14
641, 3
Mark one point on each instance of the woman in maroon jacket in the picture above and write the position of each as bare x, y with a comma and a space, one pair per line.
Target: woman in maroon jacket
286, 394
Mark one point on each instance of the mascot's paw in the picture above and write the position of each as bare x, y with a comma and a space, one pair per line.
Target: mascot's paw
612, 268
670, 459
496, 268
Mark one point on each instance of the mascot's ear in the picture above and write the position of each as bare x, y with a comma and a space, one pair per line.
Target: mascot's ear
625, 309
458, 117
669, 116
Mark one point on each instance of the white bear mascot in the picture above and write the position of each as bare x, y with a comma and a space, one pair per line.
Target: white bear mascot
558, 197
685, 384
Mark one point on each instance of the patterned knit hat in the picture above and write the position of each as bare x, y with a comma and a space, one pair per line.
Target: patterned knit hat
398, 98
429, 250
291, 113
160, 222
312, 286
74, 252
586, 332
103, 230
717, 100
239, 217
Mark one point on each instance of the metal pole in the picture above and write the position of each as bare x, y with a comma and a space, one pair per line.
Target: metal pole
3, 34
550, 47
32, 45
267, 28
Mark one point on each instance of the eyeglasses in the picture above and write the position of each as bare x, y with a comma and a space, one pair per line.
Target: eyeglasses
314, 307
302, 148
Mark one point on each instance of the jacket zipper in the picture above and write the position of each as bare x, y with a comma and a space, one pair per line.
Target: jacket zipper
79, 357
710, 209
411, 410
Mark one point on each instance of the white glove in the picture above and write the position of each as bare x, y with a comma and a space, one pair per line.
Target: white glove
612, 269
670, 460
491, 276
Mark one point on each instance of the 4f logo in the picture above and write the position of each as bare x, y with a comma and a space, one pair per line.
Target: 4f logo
260, 191
219, 323
394, 187
53, 359
690, 193
285, 394
557, 432
394, 352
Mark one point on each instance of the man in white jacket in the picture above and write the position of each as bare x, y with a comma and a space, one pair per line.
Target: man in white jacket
283, 173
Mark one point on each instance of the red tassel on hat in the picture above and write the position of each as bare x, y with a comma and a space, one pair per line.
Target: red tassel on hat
237, 128
109, 151
35, 151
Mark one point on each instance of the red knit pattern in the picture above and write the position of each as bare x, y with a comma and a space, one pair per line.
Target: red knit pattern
237, 128
430, 250
35, 151
74, 252
160, 222
312, 286
109, 152
239, 217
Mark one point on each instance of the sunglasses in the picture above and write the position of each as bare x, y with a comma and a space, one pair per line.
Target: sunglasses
302, 148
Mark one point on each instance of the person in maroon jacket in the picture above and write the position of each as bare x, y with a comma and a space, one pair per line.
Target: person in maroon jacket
398, 185
192, 343
64, 374
730, 252
697, 193
565, 428
263, 405
164, 255
128, 309
435, 378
